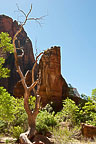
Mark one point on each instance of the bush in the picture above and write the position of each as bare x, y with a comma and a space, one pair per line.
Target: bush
7, 106
12, 112
69, 113
45, 120
89, 113
16, 131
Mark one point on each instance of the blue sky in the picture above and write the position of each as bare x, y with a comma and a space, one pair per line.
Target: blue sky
70, 24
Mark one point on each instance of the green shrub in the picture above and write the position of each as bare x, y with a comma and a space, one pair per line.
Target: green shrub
16, 131
12, 112
69, 113
45, 120
7, 109
89, 113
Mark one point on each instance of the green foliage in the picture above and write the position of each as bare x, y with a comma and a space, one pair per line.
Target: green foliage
16, 131
20, 116
12, 113
32, 100
89, 113
4, 72
5, 42
45, 120
69, 113
5, 46
7, 108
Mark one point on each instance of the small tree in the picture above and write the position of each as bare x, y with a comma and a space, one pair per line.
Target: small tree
24, 138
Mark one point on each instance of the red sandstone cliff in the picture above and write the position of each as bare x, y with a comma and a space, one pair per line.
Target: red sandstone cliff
53, 86
26, 62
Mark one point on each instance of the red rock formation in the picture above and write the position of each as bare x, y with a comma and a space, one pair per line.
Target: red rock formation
53, 86
88, 131
26, 62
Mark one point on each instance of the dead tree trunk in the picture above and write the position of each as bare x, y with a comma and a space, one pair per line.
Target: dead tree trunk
25, 137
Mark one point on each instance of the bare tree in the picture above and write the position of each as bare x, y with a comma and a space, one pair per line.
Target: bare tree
25, 137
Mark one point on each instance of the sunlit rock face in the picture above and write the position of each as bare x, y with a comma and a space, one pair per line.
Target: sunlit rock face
26, 62
53, 87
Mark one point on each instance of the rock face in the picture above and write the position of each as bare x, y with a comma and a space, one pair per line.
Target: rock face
53, 86
88, 131
26, 62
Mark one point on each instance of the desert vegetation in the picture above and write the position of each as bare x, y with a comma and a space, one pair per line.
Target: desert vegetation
62, 127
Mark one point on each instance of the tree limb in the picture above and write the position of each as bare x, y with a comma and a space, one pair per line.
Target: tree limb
34, 69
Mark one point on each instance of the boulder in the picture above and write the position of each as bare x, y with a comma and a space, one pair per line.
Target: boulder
88, 131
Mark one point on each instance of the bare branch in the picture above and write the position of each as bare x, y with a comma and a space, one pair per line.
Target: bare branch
33, 85
27, 16
37, 19
34, 69
21, 10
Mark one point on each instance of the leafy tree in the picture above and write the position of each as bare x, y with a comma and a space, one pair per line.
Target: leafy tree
6, 101
89, 112
6, 106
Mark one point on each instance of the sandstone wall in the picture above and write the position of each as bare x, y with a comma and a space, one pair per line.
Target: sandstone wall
26, 62
53, 86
